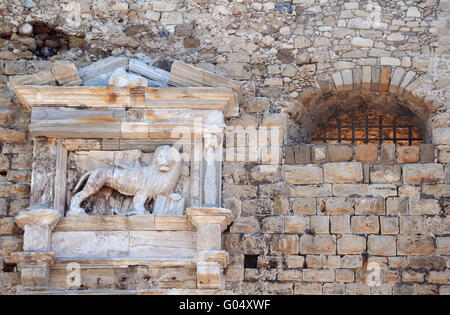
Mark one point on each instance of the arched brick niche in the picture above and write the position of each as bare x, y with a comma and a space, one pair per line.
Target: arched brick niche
369, 89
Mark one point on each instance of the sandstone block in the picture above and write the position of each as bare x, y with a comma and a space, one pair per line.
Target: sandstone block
367, 153
285, 244
412, 225
307, 288
381, 174
340, 152
296, 224
382, 245
443, 245
345, 276
365, 225
316, 245
273, 224
347, 190
415, 245
313, 275
369, 206
343, 172
299, 174
245, 225
397, 206
351, 244
319, 154
424, 206
336, 206
295, 261
387, 153
389, 225
415, 174
12, 136
408, 154
340, 224
302, 154
304, 206
311, 191
320, 224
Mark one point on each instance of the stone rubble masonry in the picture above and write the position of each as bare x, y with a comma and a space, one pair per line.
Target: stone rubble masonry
317, 220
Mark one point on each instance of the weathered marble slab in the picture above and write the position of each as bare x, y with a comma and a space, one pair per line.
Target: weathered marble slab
163, 244
203, 98
98, 73
90, 244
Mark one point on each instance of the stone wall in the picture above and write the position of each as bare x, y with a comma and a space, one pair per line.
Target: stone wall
314, 223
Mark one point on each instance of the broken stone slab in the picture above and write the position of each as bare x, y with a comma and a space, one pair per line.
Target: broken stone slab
121, 78
182, 74
159, 76
98, 73
40, 78
66, 73
38, 216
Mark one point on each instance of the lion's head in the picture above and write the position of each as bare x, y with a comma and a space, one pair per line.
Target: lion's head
166, 158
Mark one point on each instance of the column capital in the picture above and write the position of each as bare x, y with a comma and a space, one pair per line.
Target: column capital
204, 215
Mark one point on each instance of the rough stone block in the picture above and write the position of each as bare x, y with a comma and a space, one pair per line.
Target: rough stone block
312, 191
336, 206
304, 206
245, 225
427, 153
407, 154
296, 224
319, 154
382, 245
302, 154
424, 206
412, 225
285, 244
387, 153
273, 224
316, 245
381, 174
340, 224
369, 206
415, 245
443, 245
345, 276
416, 174
365, 225
340, 152
320, 224
295, 261
302, 174
307, 288
389, 225
343, 172
397, 206
347, 190
351, 244
367, 153
313, 275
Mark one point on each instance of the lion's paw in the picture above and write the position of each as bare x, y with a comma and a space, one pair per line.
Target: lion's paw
77, 212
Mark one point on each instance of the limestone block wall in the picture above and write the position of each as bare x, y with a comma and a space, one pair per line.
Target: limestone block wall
287, 54
317, 223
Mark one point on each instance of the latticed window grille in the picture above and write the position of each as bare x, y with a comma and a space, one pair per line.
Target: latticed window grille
371, 126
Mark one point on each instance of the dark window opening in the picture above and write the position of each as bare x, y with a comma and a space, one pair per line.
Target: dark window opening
370, 126
250, 261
